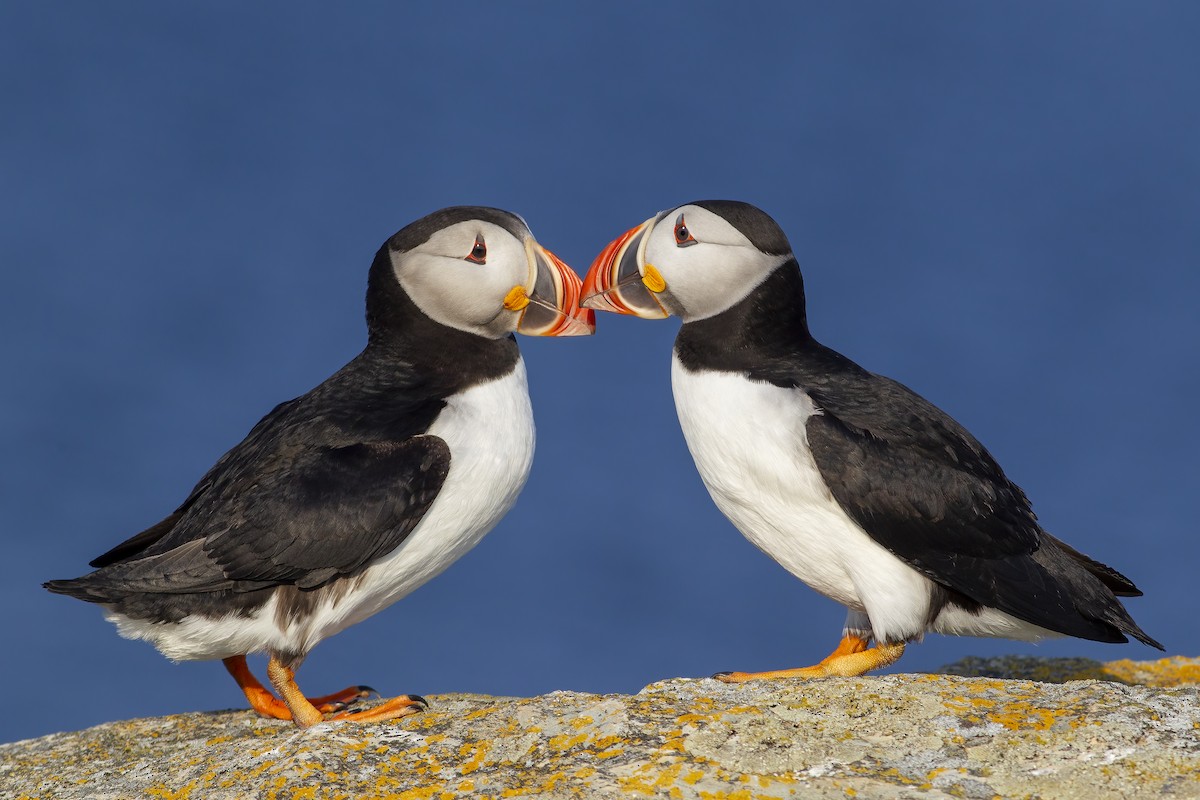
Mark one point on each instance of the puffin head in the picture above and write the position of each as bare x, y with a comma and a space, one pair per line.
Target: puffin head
693, 261
480, 270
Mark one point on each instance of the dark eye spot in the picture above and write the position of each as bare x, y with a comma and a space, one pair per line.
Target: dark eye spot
683, 237
478, 253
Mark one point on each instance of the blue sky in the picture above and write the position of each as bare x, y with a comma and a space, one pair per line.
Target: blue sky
995, 204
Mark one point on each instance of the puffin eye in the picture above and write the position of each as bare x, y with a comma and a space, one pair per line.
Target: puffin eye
683, 237
478, 254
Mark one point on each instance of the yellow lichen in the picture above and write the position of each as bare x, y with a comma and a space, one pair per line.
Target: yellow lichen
564, 742
163, 792
1023, 715
477, 751
1165, 672
420, 792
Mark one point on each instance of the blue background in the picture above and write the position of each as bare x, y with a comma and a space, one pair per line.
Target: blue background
997, 204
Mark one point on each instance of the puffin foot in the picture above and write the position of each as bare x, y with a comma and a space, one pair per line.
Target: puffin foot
305, 714
268, 705
397, 707
339, 701
852, 657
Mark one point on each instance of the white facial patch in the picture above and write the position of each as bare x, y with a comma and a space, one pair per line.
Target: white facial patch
460, 293
707, 277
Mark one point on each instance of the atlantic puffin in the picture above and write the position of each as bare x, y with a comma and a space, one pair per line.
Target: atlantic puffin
344, 500
854, 483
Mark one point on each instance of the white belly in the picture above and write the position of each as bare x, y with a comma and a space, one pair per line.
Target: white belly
750, 446
489, 429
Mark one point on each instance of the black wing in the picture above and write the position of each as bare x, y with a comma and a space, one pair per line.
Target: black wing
925, 489
352, 506
321, 485
258, 440
326, 517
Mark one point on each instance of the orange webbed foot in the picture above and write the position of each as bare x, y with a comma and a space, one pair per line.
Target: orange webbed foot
268, 705
852, 657
397, 707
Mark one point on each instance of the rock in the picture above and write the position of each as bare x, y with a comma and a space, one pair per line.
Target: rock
1175, 671
894, 736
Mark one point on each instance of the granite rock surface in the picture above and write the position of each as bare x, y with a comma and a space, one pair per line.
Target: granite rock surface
999, 728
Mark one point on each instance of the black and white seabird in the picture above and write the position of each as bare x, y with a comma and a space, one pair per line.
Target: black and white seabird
855, 484
343, 500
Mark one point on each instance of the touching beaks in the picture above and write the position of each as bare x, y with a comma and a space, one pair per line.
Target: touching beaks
621, 281
551, 307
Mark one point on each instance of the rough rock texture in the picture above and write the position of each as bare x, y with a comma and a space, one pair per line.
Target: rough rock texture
896, 736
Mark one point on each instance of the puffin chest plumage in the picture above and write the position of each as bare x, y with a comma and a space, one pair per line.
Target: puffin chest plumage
750, 446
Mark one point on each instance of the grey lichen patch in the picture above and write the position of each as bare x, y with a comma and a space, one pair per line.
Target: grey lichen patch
923, 736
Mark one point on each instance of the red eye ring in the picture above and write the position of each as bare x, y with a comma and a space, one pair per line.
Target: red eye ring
683, 236
478, 254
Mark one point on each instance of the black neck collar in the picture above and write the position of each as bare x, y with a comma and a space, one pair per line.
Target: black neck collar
768, 324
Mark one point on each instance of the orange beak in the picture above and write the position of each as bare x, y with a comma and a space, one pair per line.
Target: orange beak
616, 283
552, 307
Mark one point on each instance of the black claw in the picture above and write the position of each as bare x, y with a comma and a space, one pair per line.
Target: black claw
418, 699
366, 691
719, 675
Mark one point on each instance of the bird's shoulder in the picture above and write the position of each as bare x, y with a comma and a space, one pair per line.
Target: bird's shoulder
885, 411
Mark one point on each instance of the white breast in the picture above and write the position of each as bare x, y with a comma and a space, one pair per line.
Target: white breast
490, 432
750, 446
489, 429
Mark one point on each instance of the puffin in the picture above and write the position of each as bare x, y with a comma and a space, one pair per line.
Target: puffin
855, 484
345, 499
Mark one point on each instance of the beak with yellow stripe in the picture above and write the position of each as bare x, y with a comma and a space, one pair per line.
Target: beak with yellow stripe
549, 304
621, 281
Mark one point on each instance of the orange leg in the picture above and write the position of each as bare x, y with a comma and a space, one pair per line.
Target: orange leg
265, 703
304, 712
853, 656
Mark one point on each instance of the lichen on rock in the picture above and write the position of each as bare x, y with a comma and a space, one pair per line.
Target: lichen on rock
894, 736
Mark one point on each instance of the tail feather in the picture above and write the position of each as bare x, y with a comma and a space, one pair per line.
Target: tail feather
1094, 588
80, 589
1117, 583
1116, 616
